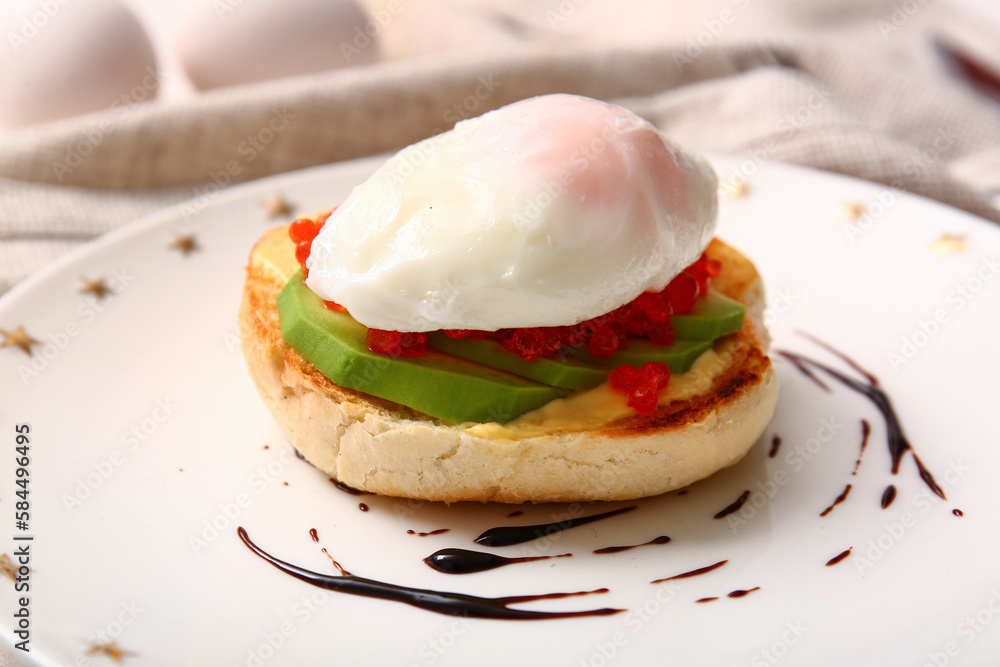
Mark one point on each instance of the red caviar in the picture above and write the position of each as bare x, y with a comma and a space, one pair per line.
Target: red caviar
397, 343
682, 293
303, 231
647, 316
641, 385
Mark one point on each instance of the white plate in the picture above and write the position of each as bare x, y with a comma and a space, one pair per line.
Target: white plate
142, 415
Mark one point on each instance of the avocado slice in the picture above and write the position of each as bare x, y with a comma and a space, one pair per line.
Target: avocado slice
569, 373
712, 317
679, 355
437, 384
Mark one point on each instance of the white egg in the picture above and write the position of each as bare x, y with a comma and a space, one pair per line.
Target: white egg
229, 42
66, 57
546, 212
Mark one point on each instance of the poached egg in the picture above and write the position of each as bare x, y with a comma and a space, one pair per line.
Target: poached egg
545, 212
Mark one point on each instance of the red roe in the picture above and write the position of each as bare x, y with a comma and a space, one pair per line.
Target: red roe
530, 343
397, 343
303, 231
641, 385
682, 292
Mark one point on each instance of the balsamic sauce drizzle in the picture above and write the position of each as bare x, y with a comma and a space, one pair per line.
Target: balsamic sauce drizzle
839, 557
464, 561
340, 568
958, 512
429, 532
442, 602
741, 593
314, 535
515, 513
866, 430
662, 539
347, 489
775, 444
363, 507
734, 506
692, 573
504, 536
841, 498
798, 362
734, 594
870, 389
888, 496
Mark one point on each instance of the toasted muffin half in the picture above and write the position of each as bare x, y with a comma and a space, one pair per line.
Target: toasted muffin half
585, 447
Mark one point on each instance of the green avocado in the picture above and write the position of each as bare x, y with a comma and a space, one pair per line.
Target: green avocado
568, 373
679, 355
712, 317
437, 384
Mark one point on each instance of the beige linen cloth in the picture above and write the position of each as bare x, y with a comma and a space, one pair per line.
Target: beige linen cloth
854, 86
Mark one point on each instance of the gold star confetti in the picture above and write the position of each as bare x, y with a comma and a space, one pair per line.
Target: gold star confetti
948, 244
734, 189
855, 211
7, 567
20, 338
97, 287
186, 244
277, 206
109, 649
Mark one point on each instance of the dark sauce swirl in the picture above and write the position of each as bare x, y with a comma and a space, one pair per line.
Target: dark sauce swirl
428, 533
442, 602
692, 573
888, 496
841, 498
866, 430
839, 557
504, 536
775, 444
734, 506
464, 561
743, 593
662, 539
347, 489
872, 390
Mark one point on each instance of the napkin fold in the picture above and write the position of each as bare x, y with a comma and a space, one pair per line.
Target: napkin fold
858, 87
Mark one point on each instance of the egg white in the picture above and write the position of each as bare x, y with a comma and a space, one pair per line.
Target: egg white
546, 212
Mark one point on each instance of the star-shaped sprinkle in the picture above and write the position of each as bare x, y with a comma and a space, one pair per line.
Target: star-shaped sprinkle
109, 649
20, 338
7, 567
855, 211
185, 243
948, 244
734, 189
97, 287
277, 206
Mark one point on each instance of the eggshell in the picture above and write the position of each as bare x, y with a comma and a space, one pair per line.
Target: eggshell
65, 57
230, 42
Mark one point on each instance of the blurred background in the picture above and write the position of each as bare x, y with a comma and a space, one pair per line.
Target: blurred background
110, 109
68, 57
197, 45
